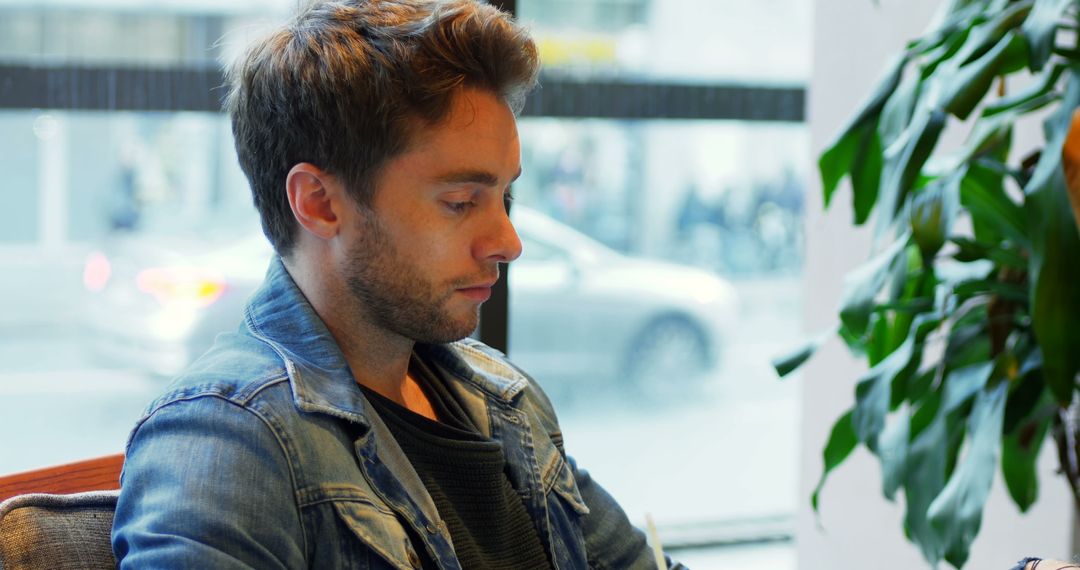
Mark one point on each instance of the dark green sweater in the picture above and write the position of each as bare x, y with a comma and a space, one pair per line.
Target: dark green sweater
463, 473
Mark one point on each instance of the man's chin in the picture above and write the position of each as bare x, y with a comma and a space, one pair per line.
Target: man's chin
450, 331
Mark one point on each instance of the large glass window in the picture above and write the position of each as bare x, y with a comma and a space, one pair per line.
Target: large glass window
660, 273
660, 208
663, 260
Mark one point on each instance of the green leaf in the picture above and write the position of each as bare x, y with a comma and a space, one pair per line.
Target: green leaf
969, 341
1041, 27
911, 306
933, 210
840, 445
988, 135
1032, 97
1055, 249
954, 17
795, 358
968, 86
919, 388
933, 427
942, 53
957, 512
896, 114
872, 396
857, 155
900, 275
878, 346
903, 161
839, 158
1055, 294
873, 390
984, 36
862, 285
997, 253
892, 450
866, 176
962, 384
1019, 455
982, 193
1025, 394
1010, 291
925, 477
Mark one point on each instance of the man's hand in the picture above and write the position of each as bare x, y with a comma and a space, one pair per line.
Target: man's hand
1070, 161
1051, 564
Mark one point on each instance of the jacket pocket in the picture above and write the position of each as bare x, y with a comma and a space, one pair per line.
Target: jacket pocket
381, 532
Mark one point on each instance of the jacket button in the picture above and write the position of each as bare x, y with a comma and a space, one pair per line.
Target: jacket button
432, 529
414, 560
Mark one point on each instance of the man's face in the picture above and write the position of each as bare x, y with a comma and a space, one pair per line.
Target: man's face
425, 256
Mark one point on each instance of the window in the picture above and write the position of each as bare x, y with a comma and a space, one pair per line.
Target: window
660, 207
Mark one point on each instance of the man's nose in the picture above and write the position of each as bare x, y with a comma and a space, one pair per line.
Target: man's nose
501, 243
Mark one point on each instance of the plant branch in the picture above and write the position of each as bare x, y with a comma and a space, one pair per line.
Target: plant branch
1065, 437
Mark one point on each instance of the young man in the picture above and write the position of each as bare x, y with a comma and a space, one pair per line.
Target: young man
346, 424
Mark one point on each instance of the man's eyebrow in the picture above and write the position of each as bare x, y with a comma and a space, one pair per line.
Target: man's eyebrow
482, 177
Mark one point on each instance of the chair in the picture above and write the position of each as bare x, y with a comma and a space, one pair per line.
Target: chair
60, 518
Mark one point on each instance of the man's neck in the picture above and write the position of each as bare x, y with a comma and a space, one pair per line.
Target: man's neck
378, 358
388, 376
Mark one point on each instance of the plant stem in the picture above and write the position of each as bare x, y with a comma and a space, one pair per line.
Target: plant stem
1066, 439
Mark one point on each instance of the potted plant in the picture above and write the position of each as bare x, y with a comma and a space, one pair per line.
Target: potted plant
968, 312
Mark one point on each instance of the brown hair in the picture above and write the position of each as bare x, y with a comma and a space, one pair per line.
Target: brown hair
345, 84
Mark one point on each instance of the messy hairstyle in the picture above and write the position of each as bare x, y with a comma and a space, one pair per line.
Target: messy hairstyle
347, 83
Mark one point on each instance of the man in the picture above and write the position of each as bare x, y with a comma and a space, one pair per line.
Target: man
346, 425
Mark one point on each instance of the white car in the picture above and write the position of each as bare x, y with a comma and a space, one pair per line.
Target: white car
582, 312
579, 311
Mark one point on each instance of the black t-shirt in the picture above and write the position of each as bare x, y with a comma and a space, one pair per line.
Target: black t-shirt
464, 473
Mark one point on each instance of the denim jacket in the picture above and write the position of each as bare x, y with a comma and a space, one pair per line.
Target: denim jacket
265, 454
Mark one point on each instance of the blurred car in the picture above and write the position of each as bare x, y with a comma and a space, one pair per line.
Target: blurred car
579, 311
157, 303
582, 312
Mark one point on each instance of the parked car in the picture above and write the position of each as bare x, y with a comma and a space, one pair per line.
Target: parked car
582, 312
579, 311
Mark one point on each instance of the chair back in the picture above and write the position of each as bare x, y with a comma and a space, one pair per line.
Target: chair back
60, 518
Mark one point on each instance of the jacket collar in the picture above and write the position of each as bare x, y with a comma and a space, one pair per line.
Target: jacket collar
279, 314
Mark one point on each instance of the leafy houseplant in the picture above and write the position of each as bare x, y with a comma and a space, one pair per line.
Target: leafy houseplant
968, 314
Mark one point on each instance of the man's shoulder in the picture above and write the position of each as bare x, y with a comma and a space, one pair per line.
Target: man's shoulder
237, 368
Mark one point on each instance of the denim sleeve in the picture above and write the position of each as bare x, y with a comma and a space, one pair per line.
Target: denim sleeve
206, 485
610, 540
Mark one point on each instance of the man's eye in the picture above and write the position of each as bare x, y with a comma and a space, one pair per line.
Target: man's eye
460, 207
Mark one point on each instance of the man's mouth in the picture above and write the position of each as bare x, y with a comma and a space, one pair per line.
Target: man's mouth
479, 290
477, 294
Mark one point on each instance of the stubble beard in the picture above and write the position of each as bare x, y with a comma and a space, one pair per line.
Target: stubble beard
395, 296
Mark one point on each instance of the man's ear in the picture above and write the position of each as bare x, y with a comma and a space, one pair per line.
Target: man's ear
314, 197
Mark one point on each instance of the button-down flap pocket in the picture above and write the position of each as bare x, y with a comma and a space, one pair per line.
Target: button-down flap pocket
380, 530
564, 484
